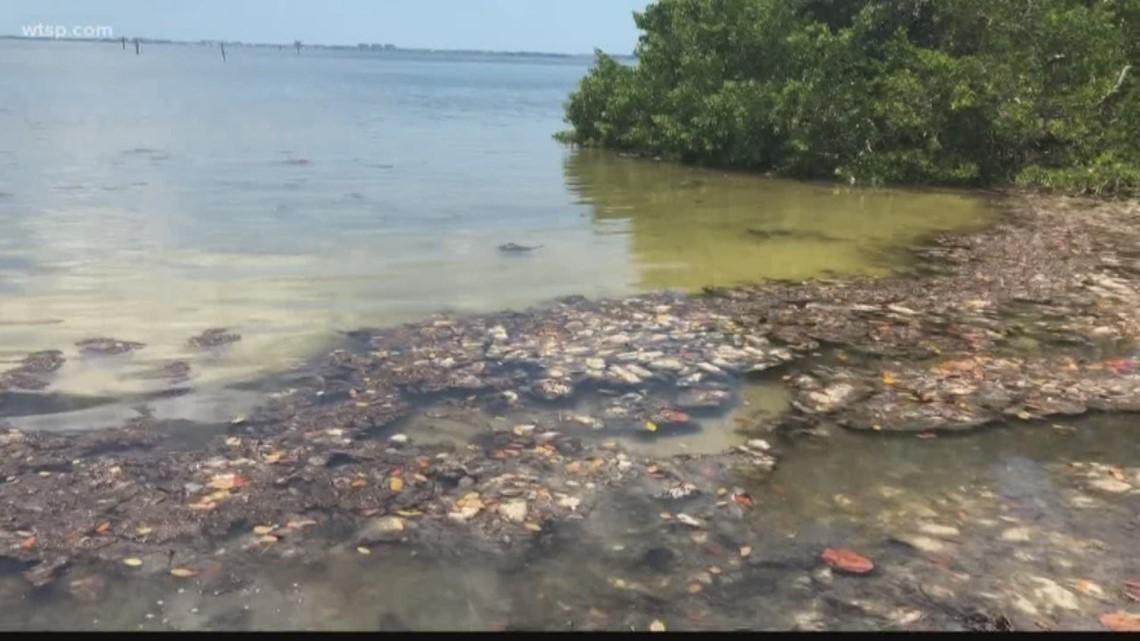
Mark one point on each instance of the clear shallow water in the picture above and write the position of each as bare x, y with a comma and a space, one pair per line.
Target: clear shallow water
850, 489
758, 404
151, 197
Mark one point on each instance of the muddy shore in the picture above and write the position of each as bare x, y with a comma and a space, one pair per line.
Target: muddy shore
1033, 320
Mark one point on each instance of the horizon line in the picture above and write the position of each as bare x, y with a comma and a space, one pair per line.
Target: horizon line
367, 46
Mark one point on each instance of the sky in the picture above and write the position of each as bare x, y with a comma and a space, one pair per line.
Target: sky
556, 26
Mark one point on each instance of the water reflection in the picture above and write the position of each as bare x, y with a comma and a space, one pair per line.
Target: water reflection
690, 227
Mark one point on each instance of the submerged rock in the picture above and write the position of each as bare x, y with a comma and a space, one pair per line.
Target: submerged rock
174, 373
107, 346
34, 371
214, 338
552, 389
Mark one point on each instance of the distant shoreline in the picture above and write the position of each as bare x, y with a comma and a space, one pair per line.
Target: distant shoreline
371, 47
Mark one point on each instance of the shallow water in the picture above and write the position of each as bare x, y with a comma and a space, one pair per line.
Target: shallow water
151, 197
757, 404
620, 568
690, 227
867, 472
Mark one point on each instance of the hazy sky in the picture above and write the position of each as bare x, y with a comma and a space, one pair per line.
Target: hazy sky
565, 26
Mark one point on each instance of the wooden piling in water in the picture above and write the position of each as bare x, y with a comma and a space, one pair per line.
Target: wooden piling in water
136, 46
223, 46
124, 43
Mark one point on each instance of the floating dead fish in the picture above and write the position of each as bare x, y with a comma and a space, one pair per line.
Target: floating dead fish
513, 248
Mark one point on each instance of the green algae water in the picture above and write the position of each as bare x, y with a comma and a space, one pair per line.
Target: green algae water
151, 197
689, 227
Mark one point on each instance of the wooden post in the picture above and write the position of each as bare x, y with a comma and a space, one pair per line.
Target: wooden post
223, 46
136, 46
124, 43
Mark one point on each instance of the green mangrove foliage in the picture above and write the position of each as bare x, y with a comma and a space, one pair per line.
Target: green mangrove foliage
965, 92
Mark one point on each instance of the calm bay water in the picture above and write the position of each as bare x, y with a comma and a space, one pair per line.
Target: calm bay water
151, 197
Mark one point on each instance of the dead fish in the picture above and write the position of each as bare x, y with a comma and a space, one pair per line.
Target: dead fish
798, 234
515, 248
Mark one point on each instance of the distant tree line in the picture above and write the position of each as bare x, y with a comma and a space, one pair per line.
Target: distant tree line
1039, 93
